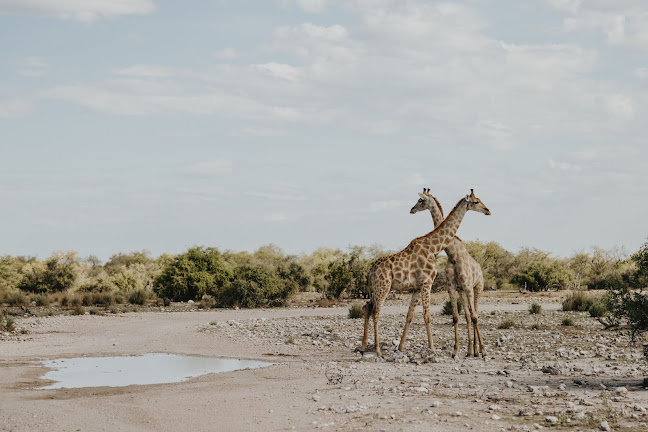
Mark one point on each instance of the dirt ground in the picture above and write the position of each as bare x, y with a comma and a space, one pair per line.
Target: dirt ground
539, 373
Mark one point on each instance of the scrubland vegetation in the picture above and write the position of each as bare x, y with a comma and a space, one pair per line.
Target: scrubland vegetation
268, 277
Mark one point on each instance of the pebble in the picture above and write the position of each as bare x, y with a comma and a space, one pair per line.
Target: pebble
605, 426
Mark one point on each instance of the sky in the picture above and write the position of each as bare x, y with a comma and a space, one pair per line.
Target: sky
130, 125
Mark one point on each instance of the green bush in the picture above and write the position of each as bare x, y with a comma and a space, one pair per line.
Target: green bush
138, 297
631, 307
253, 286
78, 310
191, 275
535, 309
42, 300
598, 309
9, 324
446, 309
578, 301
356, 310
567, 322
349, 276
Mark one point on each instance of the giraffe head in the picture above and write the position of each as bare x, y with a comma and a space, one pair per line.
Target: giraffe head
476, 204
426, 202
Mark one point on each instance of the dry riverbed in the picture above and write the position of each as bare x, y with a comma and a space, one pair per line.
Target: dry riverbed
539, 374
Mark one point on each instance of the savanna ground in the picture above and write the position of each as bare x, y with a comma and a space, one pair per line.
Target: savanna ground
539, 374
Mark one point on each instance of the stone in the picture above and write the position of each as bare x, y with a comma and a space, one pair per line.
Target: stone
551, 420
605, 426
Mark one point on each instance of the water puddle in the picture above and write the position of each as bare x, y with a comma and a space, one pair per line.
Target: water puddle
151, 368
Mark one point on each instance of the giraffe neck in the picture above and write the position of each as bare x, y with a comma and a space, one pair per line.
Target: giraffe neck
436, 212
444, 233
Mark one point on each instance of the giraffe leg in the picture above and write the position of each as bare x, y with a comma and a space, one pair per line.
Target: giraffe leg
425, 298
479, 288
368, 312
376, 318
408, 320
455, 317
466, 307
473, 317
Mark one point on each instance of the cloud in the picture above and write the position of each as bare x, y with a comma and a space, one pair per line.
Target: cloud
564, 166
15, 108
283, 71
622, 22
311, 6
214, 167
31, 66
280, 217
79, 10
620, 106
378, 206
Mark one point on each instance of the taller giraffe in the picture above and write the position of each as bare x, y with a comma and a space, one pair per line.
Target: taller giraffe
413, 267
463, 274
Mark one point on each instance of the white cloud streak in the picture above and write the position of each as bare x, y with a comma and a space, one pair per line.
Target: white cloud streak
86, 11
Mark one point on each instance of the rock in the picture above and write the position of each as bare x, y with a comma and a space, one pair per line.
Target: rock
638, 407
551, 420
457, 413
436, 404
604, 426
621, 391
579, 416
495, 417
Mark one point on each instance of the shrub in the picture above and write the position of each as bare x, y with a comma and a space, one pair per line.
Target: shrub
535, 309
207, 302
567, 322
138, 297
42, 300
16, 299
65, 300
191, 275
447, 307
348, 275
578, 301
58, 273
253, 286
10, 324
598, 309
356, 311
506, 324
78, 310
632, 307
76, 301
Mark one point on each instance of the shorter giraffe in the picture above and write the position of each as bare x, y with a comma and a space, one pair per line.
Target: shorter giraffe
413, 268
463, 274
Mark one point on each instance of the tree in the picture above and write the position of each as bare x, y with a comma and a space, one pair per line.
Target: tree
543, 275
348, 275
640, 259
253, 286
58, 273
191, 275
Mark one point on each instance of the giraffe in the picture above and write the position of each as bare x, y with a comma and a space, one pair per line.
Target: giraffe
464, 275
413, 267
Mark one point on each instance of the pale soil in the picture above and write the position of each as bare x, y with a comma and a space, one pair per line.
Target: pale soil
318, 382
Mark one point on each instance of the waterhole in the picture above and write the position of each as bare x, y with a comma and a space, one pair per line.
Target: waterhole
153, 368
